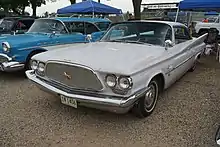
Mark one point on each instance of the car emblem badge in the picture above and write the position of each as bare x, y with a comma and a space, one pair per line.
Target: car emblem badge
67, 75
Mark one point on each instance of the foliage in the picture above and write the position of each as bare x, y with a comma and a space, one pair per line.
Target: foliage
18, 6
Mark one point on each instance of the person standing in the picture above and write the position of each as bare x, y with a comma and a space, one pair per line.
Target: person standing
130, 17
205, 20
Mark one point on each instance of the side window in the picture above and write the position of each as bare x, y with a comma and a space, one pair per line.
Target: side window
168, 35
24, 24
90, 28
181, 34
75, 27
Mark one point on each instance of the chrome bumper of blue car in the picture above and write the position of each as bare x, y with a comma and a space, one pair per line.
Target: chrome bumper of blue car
107, 103
7, 65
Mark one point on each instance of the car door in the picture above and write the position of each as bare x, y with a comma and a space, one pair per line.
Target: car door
179, 54
76, 33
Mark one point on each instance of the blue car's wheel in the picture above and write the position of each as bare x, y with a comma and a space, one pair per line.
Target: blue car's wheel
28, 61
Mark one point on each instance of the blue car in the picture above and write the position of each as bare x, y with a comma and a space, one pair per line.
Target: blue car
16, 51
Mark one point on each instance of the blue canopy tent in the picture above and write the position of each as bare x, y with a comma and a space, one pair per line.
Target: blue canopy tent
90, 7
198, 5
211, 13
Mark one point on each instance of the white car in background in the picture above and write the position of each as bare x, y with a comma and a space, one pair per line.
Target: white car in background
203, 27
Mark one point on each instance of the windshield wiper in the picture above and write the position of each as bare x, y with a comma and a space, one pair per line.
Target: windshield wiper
116, 40
132, 41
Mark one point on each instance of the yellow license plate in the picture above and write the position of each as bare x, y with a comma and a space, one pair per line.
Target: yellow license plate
68, 101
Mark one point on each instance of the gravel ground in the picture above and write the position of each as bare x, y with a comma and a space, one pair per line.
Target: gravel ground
187, 115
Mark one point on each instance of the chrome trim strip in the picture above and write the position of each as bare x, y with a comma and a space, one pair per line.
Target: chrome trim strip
180, 64
48, 45
6, 56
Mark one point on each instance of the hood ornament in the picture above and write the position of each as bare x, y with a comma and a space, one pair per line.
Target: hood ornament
67, 75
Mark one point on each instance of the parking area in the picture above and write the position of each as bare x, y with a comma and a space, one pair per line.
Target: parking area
187, 115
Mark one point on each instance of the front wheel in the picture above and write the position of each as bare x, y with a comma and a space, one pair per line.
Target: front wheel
147, 103
194, 66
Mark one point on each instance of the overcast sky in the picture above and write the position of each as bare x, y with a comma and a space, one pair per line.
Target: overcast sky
125, 5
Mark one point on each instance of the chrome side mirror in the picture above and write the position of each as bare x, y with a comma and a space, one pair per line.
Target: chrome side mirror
168, 44
89, 37
52, 34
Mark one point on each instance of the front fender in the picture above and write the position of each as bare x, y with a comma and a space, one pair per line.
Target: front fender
153, 75
22, 55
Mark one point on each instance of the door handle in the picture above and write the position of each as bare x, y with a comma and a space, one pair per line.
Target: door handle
170, 67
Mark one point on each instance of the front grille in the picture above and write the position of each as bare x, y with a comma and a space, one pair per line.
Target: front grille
73, 76
3, 59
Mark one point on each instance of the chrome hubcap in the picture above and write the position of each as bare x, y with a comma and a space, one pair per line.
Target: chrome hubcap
150, 97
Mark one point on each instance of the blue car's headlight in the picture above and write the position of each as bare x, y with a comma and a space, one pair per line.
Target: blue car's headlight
5, 46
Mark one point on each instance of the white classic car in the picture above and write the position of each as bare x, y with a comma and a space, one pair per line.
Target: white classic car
126, 70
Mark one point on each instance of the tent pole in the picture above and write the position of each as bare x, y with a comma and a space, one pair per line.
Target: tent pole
177, 13
123, 17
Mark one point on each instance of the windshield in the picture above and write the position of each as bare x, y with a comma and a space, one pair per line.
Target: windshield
47, 26
6, 24
213, 19
102, 25
139, 32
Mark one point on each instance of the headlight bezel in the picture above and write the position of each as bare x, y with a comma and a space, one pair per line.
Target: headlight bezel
128, 79
112, 76
118, 88
41, 68
35, 66
6, 46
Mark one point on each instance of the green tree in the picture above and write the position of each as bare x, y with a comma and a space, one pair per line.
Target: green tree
17, 7
137, 8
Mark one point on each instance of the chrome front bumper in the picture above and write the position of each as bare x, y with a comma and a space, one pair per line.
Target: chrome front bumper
217, 136
8, 65
107, 103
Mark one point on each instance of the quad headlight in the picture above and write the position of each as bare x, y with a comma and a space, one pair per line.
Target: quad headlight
6, 47
124, 82
118, 84
38, 67
41, 67
111, 80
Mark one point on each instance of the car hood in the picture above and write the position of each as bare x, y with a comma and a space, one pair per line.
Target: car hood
119, 58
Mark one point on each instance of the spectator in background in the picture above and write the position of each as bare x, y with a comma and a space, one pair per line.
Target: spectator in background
166, 17
205, 20
130, 17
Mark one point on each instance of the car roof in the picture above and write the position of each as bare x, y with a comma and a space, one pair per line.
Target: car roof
17, 18
164, 22
72, 19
